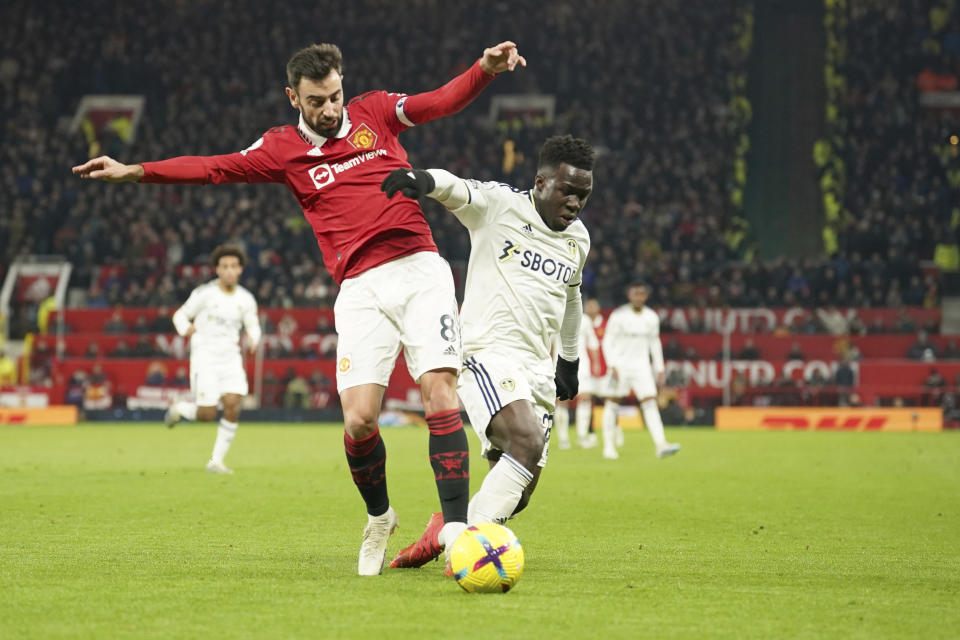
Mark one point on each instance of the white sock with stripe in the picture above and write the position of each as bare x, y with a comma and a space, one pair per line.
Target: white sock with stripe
225, 433
651, 418
187, 410
500, 492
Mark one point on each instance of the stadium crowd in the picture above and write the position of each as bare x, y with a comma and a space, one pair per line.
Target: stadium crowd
662, 112
659, 112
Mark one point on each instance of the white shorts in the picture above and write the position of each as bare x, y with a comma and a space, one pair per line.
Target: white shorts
210, 380
490, 381
587, 382
410, 302
639, 381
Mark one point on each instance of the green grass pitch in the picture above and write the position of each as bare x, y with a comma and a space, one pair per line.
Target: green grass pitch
116, 531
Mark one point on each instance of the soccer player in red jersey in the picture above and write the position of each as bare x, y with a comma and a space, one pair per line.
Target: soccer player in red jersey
395, 290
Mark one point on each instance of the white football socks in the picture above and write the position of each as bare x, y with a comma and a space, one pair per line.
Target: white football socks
225, 433
651, 418
187, 410
500, 492
561, 424
584, 417
611, 409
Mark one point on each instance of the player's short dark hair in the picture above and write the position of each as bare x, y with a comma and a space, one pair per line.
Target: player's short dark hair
576, 152
314, 63
228, 250
639, 282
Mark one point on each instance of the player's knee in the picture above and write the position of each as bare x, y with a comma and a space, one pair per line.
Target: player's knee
206, 414
359, 423
439, 390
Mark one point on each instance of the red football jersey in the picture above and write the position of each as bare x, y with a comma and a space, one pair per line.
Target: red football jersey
337, 180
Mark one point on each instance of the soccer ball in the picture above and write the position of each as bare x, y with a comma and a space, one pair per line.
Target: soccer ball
486, 558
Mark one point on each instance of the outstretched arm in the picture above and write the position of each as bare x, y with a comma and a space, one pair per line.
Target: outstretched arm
459, 92
109, 170
255, 164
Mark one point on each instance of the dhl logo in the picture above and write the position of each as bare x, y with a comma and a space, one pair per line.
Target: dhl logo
834, 419
849, 423
49, 416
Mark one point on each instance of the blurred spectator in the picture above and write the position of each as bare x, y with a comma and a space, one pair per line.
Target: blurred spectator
162, 322
922, 349
97, 393
75, 388
141, 326
796, 353
297, 393
675, 379
116, 323
749, 351
156, 374
690, 353
950, 352
844, 375
144, 348
672, 350
122, 350
935, 385
8, 369
180, 379
904, 323
93, 350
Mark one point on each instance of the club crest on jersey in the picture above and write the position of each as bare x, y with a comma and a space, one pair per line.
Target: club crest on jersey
344, 364
573, 249
508, 384
363, 137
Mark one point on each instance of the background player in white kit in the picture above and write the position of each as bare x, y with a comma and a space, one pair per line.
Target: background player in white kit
212, 317
634, 356
592, 372
523, 289
590, 377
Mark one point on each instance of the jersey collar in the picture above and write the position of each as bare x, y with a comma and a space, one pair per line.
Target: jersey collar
315, 138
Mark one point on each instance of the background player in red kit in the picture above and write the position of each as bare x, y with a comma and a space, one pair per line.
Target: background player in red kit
394, 288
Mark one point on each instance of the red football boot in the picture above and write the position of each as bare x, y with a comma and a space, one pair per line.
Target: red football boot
424, 550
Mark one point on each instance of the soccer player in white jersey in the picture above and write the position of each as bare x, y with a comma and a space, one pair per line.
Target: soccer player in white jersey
592, 370
523, 289
212, 317
634, 356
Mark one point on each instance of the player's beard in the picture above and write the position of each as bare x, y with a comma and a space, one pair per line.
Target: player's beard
329, 131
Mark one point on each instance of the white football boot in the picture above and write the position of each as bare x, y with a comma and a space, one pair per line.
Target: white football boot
667, 450
218, 467
373, 551
172, 416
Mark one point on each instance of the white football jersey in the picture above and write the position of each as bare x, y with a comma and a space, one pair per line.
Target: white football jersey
631, 340
218, 317
518, 275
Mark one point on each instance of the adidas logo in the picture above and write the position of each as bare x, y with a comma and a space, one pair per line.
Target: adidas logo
450, 351
315, 151
527, 229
